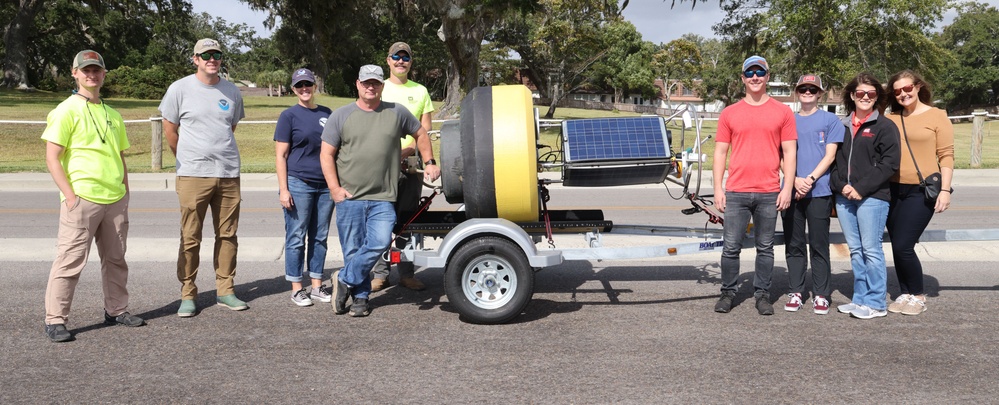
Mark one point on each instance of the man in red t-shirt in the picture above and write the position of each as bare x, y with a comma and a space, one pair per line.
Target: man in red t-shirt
761, 134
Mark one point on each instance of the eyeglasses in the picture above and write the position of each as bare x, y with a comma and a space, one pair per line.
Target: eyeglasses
304, 83
808, 89
871, 94
405, 58
371, 83
758, 72
898, 91
210, 55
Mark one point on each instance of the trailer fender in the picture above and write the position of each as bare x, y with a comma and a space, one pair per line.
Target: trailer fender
473, 228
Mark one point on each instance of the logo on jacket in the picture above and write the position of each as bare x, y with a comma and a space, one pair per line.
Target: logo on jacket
322, 122
867, 133
224, 105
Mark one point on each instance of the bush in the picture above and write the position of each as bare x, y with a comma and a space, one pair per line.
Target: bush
147, 84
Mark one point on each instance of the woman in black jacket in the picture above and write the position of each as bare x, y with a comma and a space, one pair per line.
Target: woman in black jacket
866, 161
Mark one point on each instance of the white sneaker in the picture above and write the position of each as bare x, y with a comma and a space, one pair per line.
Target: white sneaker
896, 306
847, 308
820, 305
300, 298
866, 312
793, 302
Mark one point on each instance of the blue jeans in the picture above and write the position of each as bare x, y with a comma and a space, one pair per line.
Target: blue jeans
863, 224
365, 229
740, 207
308, 218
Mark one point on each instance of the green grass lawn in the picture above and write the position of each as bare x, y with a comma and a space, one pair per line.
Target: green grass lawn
23, 151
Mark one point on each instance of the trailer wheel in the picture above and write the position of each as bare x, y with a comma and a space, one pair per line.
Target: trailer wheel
489, 280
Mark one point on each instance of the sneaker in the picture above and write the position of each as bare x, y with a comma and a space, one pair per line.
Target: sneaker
187, 309
58, 333
725, 302
360, 308
301, 298
847, 308
914, 306
378, 284
866, 312
230, 301
793, 302
820, 305
340, 294
763, 305
321, 294
124, 318
412, 283
896, 306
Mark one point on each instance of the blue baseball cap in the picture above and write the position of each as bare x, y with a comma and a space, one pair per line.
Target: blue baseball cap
302, 75
755, 60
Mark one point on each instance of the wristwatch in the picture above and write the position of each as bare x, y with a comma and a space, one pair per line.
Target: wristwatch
430, 162
812, 177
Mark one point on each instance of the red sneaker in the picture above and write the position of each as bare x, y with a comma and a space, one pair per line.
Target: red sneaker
793, 302
820, 305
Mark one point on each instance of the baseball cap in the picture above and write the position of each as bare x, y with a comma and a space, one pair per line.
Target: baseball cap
400, 46
369, 72
207, 44
755, 60
810, 79
87, 58
302, 75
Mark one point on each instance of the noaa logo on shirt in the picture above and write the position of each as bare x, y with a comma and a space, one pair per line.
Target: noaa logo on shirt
224, 105
322, 122
411, 99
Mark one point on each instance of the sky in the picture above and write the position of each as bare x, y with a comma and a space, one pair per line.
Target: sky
655, 19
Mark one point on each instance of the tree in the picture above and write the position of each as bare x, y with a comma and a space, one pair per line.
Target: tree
974, 71
718, 62
678, 61
627, 65
15, 41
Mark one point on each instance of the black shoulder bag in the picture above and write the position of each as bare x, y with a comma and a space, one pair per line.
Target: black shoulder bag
931, 184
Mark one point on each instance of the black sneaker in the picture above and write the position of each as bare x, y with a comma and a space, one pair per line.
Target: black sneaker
360, 308
725, 302
763, 305
58, 333
125, 318
340, 294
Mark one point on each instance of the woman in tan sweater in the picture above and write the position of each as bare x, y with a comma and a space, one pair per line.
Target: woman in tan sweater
930, 136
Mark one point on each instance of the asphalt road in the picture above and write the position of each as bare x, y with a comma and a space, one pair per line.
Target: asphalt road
596, 331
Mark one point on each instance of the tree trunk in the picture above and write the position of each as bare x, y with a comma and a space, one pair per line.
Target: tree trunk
15, 41
463, 29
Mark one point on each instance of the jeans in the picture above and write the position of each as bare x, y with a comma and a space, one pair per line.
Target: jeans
907, 219
813, 212
308, 219
863, 224
365, 229
740, 207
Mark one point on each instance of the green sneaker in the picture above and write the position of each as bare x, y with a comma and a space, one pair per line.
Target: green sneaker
230, 301
187, 309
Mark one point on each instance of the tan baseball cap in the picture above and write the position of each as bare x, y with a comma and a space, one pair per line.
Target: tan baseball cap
87, 58
398, 47
207, 44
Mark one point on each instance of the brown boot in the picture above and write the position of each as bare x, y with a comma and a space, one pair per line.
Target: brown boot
412, 283
378, 284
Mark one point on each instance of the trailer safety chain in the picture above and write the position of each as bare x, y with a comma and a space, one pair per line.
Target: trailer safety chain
424, 204
700, 204
545, 196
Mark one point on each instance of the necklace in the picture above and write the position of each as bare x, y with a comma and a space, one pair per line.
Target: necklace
97, 128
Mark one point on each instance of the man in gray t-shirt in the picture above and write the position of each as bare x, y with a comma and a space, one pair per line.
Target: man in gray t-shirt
200, 113
360, 160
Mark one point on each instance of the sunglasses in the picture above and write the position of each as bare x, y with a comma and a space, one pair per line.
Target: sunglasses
210, 55
758, 72
808, 89
304, 83
404, 58
898, 91
871, 94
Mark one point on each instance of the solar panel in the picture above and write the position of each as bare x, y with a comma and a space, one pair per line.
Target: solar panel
615, 151
615, 139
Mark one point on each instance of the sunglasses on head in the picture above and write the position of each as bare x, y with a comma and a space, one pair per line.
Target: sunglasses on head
405, 58
898, 91
303, 83
871, 94
209, 55
758, 72
808, 89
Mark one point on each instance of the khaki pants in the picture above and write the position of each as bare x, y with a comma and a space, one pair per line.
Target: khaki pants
196, 194
78, 227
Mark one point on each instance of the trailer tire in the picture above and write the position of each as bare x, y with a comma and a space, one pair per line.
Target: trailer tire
489, 280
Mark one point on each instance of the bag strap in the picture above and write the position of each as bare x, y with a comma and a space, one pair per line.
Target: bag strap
909, 147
